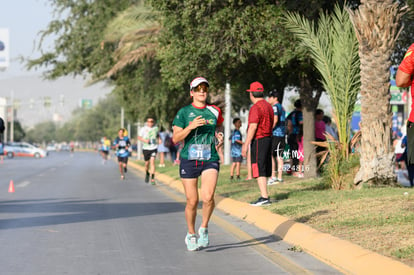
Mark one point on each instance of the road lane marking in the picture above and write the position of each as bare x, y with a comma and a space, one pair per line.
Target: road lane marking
23, 184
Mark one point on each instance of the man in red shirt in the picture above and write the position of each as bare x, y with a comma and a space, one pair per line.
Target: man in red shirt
259, 138
404, 78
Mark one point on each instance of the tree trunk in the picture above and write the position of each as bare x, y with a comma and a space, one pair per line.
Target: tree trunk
376, 26
309, 102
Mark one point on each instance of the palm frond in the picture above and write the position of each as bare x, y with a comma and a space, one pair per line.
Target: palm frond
135, 31
333, 46
131, 57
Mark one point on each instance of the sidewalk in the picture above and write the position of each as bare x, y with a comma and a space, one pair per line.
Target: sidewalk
343, 255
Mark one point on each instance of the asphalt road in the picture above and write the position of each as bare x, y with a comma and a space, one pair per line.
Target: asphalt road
71, 214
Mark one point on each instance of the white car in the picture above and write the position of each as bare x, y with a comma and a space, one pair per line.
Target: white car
51, 147
23, 149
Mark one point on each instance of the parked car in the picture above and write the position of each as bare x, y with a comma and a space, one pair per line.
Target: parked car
23, 149
65, 147
51, 147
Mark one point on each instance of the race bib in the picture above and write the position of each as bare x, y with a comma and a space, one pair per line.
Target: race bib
199, 152
121, 151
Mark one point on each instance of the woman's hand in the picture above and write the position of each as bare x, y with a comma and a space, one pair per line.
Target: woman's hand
220, 137
197, 122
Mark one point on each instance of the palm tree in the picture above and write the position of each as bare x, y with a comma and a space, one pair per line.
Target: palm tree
377, 26
135, 31
334, 49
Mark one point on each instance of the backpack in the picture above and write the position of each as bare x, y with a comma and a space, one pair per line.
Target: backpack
295, 115
2, 125
168, 141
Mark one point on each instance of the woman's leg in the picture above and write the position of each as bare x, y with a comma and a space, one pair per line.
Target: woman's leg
208, 187
162, 154
191, 194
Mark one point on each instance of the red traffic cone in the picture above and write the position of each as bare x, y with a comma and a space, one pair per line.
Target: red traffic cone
11, 187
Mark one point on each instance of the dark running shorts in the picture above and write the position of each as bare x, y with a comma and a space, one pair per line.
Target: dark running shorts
261, 157
237, 159
278, 146
123, 159
191, 169
149, 154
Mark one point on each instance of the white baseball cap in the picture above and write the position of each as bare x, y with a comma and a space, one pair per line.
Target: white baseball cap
197, 81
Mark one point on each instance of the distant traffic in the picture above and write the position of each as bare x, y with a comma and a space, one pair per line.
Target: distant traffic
23, 149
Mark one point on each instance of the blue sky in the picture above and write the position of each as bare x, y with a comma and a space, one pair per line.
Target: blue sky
24, 19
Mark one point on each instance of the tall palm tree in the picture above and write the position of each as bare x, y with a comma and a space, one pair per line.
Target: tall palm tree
334, 49
377, 25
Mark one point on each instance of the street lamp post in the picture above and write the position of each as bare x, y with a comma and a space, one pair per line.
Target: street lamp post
227, 124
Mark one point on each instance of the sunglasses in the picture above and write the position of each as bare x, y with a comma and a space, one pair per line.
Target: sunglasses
201, 88
150, 121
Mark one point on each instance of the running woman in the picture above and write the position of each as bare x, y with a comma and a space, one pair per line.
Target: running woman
122, 144
198, 125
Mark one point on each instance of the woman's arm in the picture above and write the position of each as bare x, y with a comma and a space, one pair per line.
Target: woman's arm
180, 134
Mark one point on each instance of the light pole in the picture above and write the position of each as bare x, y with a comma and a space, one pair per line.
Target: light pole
122, 117
227, 124
12, 117
139, 147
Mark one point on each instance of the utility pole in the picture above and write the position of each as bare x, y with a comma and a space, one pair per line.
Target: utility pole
12, 117
122, 117
139, 144
227, 124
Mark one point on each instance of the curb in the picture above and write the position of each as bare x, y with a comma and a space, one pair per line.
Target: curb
344, 255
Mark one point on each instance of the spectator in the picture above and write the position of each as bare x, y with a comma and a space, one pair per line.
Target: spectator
164, 146
399, 151
320, 127
320, 130
236, 147
404, 78
294, 120
259, 138
328, 127
278, 138
299, 172
404, 157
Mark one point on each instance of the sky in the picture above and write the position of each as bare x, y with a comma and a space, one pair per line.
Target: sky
25, 19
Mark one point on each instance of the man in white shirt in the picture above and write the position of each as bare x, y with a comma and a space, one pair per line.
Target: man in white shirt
149, 136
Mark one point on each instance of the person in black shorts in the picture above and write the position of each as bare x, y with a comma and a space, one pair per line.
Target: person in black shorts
122, 144
199, 126
149, 135
259, 138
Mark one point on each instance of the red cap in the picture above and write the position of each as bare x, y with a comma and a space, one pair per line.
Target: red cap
256, 87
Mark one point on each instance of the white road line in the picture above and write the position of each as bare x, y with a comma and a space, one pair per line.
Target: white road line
23, 184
